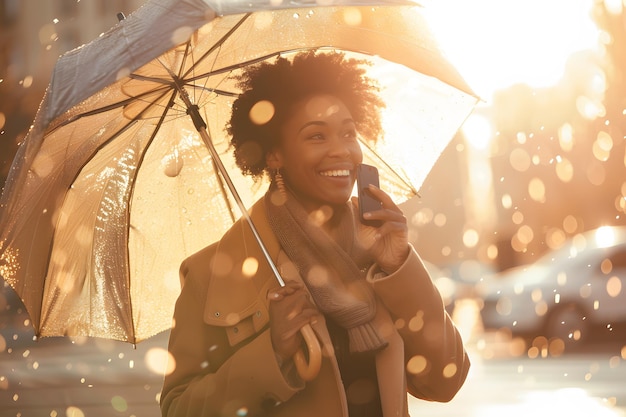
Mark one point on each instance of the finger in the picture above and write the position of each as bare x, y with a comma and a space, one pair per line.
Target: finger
306, 317
289, 288
383, 197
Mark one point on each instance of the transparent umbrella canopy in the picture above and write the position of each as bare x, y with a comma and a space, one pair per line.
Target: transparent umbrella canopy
126, 169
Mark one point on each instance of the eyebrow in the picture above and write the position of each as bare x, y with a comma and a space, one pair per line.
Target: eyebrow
321, 123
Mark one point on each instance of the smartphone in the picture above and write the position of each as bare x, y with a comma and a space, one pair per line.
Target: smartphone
366, 175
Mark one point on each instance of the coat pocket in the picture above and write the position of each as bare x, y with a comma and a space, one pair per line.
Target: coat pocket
246, 327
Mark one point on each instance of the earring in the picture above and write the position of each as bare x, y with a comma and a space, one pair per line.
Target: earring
280, 182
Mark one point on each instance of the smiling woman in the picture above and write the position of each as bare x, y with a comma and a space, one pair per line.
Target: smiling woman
298, 121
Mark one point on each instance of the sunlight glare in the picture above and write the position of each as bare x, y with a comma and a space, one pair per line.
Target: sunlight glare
496, 44
605, 237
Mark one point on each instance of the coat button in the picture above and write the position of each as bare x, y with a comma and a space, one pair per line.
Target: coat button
217, 314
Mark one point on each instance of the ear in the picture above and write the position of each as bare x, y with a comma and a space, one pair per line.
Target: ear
274, 159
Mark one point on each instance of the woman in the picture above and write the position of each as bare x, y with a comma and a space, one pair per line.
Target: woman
363, 289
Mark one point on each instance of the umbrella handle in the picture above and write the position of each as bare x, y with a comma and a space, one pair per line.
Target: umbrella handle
308, 371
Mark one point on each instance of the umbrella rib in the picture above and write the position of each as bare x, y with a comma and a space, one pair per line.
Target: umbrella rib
107, 108
132, 191
217, 44
395, 172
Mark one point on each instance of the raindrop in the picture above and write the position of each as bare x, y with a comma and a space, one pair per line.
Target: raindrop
614, 286
525, 234
74, 412
27, 82
422, 217
262, 112
602, 146
263, 21
470, 238
417, 364
172, 164
606, 266
160, 361
564, 170
181, 35
440, 220
119, 404
417, 322
122, 73
537, 190
320, 216
352, 16
449, 370
250, 267
566, 137
517, 217
317, 275
504, 306
570, 224
507, 201
519, 160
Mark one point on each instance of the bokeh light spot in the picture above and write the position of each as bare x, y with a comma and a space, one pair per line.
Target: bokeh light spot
72, 411
614, 286
537, 190
417, 364
352, 16
160, 361
119, 404
261, 112
250, 266
449, 370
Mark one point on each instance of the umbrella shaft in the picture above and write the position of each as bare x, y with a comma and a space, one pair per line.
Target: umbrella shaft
200, 125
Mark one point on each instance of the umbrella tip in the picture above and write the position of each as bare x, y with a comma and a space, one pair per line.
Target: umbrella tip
120, 16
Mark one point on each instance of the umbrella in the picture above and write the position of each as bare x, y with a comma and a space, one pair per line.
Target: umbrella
127, 169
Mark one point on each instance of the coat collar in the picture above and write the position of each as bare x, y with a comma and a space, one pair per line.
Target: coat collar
240, 274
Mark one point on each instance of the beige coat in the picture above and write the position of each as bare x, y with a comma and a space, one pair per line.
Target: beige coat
220, 345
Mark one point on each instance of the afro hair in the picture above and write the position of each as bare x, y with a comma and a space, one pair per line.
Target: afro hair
285, 82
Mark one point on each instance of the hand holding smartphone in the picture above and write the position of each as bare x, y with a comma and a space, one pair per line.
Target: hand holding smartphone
366, 175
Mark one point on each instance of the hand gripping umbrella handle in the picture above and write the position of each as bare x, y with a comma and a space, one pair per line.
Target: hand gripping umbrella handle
308, 371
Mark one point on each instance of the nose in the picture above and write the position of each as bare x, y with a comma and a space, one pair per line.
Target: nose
339, 147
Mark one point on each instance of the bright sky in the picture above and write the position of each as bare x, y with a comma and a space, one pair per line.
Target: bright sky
497, 43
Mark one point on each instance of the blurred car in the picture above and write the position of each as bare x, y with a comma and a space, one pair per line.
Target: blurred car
457, 281
565, 294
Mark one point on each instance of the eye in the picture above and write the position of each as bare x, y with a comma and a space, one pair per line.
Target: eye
316, 136
350, 134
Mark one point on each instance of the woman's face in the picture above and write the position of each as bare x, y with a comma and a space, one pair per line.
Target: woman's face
318, 152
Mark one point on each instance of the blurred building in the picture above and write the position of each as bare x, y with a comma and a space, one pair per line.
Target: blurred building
33, 34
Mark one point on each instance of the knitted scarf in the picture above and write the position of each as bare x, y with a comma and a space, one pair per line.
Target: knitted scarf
332, 266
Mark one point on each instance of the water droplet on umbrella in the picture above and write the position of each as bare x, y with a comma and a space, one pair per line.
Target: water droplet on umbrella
172, 164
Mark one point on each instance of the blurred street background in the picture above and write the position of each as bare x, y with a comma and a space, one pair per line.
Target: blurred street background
538, 168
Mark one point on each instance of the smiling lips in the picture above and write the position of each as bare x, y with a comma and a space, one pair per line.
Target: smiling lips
336, 173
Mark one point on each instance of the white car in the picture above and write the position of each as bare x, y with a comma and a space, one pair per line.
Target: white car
566, 293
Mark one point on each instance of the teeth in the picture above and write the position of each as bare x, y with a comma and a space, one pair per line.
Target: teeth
336, 173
